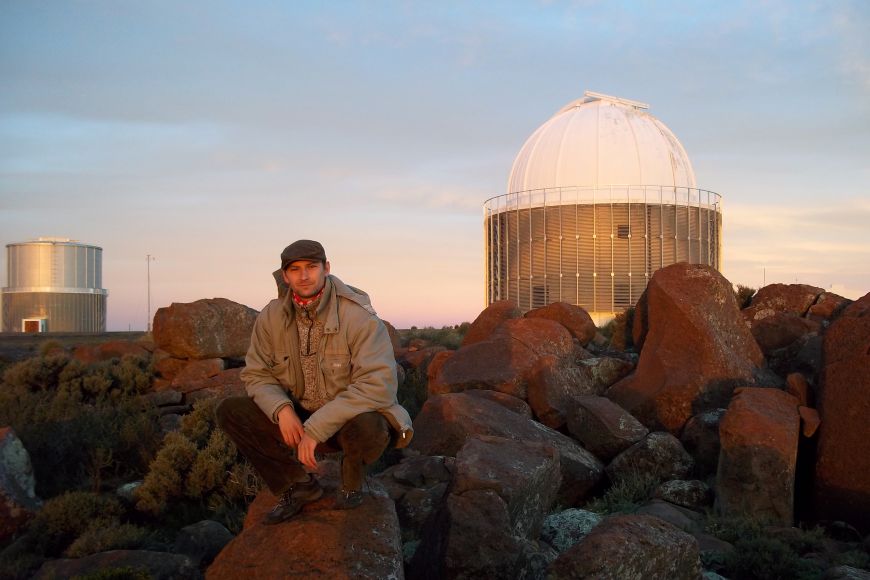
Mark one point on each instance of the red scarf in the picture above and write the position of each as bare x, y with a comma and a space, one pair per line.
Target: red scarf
304, 302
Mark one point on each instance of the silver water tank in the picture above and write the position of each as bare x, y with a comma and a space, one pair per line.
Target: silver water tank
54, 285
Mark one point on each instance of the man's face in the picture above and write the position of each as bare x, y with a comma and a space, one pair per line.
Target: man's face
305, 277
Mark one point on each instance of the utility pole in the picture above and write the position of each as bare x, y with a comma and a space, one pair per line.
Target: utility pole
148, 259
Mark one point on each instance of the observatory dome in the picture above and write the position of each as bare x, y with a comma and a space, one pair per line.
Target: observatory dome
597, 141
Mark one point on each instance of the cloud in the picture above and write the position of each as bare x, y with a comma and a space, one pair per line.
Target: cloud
820, 244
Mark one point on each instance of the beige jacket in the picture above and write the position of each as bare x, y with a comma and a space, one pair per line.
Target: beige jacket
355, 363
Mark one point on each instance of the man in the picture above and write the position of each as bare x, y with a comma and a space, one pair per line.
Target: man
320, 371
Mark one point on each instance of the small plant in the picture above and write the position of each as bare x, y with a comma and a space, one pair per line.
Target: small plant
626, 495
414, 391
618, 330
449, 337
744, 295
198, 470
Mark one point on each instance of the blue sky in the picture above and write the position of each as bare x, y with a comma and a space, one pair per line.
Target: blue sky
211, 134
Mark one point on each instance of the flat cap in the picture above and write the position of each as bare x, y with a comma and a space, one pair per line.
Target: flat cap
302, 250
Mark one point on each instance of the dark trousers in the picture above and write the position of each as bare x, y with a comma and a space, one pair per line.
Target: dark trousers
362, 441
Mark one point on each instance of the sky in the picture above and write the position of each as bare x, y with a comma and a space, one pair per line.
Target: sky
212, 134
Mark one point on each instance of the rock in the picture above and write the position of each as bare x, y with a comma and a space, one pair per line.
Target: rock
550, 392
846, 573
436, 363
696, 349
797, 387
18, 500
810, 421
564, 529
418, 486
685, 519
842, 485
419, 360
470, 539
174, 410
208, 328
168, 367
701, 439
759, 441
164, 398
202, 541
156, 565
602, 372
320, 542
196, 371
539, 335
603, 427
446, 421
632, 546
510, 403
497, 364
827, 307
90, 354
692, 494
394, 337
490, 318
575, 319
792, 298
225, 384
169, 423
780, 330
524, 474
659, 454
127, 492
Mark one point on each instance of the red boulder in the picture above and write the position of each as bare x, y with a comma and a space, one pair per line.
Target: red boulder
208, 328
575, 319
696, 348
489, 319
843, 464
759, 441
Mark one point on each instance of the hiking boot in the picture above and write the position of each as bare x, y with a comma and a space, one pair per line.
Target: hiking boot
347, 499
291, 501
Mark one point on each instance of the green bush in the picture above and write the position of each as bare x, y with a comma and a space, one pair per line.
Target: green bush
122, 573
760, 553
766, 558
449, 337
626, 495
744, 295
66, 517
414, 391
103, 536
81, 423
198, 471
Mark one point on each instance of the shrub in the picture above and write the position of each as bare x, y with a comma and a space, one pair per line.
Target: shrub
759, 553
64, 518
103, 536
121, 573
80, 423
619, 330
447, 336
198, 470
744, 295
626, 495
414, 391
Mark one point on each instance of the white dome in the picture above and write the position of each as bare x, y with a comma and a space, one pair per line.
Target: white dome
599, 141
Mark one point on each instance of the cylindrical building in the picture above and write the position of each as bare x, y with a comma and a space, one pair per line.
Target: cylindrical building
54, 285
599, 197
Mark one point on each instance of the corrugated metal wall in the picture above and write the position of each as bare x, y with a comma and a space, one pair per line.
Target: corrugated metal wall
598, 253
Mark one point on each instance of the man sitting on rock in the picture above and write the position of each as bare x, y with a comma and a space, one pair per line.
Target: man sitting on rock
320, 375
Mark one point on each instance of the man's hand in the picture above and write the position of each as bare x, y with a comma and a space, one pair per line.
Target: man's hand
290, 426
305, 451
